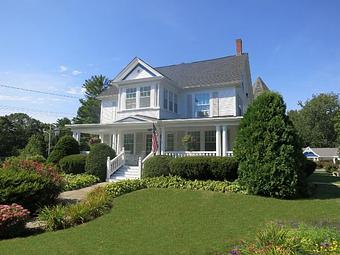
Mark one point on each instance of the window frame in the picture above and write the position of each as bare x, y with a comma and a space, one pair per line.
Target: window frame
212, 141
145, 93
132, 99
200, 107
170, 143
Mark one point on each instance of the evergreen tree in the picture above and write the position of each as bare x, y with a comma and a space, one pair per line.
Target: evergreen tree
89, 111
269, 150
35, 146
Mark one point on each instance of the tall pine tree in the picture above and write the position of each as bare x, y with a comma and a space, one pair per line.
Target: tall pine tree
89, 111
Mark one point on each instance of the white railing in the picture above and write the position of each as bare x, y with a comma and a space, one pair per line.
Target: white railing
179, 154
114, 164
141, 162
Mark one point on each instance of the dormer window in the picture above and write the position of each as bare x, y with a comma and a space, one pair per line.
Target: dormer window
130, 102
144, 96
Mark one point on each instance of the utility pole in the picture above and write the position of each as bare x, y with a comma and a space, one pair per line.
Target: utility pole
49, 140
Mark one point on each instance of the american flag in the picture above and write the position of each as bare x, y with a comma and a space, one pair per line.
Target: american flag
154, 139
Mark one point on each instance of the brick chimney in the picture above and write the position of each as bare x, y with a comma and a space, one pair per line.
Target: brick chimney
238, 47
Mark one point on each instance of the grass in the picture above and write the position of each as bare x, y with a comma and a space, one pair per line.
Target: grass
160, 221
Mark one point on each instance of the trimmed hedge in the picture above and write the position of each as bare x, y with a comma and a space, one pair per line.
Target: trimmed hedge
78, 181
157, 166
73, 164
192, 168
66, 145
96, 160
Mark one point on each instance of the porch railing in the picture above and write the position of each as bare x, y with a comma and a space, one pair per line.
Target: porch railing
179, 154
114, 164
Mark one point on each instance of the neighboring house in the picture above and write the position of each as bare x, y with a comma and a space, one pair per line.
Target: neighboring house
319, 154
205, 99
259, 87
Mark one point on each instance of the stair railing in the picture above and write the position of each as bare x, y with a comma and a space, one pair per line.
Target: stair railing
112, 165
141, 162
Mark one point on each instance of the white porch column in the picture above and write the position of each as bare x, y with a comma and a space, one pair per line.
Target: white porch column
118, 142
162, 140
114, 142
224, 140
76, 135
218, 140
101, 137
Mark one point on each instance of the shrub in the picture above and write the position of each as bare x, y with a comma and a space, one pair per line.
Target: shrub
330, 168
58, 217
66, 145
157, 166
204, 168
73, 164
28, 188
309, 168
269, 150
283, 240
35, 146
37, 158
78, 181
96, 160
12, 220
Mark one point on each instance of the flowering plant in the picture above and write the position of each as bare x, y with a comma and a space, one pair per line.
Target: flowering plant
12, 218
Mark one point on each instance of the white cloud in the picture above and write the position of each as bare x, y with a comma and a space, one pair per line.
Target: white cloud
62, 68
15, 98
76, 72
74, 91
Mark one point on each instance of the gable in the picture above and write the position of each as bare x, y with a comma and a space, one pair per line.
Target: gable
139, 72
310, 154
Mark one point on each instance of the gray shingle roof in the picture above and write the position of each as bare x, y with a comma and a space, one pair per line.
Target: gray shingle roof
206, 72
259, 87
326, 152
201, 73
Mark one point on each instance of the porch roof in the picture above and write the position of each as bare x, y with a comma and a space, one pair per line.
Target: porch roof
133, 123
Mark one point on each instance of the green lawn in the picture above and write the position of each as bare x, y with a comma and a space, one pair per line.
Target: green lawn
323, 176
176, 222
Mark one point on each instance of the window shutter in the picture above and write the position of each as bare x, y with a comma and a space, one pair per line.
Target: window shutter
189, 106
215, 110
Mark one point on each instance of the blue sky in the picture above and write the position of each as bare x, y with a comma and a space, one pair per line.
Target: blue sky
55, 45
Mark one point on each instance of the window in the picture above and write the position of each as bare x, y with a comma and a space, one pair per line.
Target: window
165, 102
195, 145
130, 102
144, 96
129, 142
148, 143
210, 140
171, 101
170, 140
202, 106
175, 104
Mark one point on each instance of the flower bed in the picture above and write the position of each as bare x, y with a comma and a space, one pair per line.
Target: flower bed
78, 181
12, 220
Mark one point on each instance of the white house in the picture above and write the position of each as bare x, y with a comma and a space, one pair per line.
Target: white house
320, 154
205, 99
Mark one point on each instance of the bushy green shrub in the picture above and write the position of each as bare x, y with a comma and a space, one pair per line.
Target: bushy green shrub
157, 166
73, 164
66, 145
12, 220
117, 189
309, 168
78, 181
97, 158
35, 146
37, 158
28, 188
205, 168
284, 240
269, 150
97, 203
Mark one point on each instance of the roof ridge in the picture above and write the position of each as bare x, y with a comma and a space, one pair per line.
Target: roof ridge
198, 61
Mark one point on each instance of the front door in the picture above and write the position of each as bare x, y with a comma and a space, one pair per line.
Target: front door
148, 144
129, 146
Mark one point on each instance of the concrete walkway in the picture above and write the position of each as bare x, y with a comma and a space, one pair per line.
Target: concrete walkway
74, 196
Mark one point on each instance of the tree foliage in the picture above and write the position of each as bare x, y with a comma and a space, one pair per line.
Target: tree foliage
89, 111
35, 146
269, 150
315, 121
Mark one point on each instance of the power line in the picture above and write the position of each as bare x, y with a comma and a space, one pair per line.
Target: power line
38, 91
7, 107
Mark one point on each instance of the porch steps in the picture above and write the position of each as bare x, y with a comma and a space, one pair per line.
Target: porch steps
125, 173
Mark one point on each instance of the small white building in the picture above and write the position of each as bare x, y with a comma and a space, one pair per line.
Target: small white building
205, 99
319, 154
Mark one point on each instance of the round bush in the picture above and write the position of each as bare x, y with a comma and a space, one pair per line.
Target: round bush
157, 166
73, 164
66, 145
27, 188
269, 150
96, 160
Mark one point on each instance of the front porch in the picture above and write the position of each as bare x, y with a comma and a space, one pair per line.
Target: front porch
131, 138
